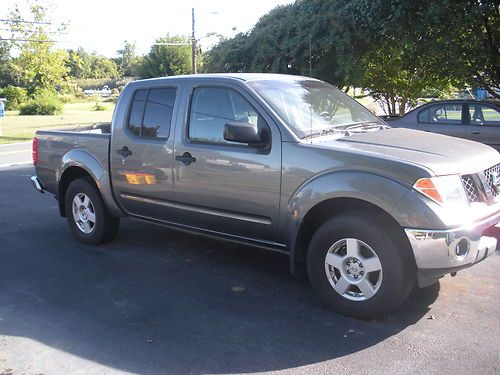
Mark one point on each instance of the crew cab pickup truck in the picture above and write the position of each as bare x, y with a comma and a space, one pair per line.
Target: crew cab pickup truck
285, 163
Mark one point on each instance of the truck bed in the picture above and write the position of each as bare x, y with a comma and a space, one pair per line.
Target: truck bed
54, 146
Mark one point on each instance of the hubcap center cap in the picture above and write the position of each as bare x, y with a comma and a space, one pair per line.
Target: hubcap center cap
83, 213
355, 268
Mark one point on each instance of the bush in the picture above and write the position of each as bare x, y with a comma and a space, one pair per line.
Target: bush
15, 96
43, 103
67, 98
98, 107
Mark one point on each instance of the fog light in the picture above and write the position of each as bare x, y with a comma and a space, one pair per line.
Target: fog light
462, 248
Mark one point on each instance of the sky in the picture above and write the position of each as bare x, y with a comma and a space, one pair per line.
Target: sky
103, 26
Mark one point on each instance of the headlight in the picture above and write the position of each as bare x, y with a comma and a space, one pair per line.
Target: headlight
447, 191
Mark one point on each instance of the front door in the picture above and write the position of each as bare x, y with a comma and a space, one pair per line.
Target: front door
142, 153
484, 124
223, 186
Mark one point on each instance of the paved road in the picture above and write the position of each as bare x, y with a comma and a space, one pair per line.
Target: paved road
156, 301
15, 153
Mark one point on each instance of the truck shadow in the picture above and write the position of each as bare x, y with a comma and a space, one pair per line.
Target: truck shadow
158, 301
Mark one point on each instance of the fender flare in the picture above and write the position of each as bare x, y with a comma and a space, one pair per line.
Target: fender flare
84, 160
381, 192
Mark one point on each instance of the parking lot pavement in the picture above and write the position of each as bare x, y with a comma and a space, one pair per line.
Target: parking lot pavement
155, 301
15, 153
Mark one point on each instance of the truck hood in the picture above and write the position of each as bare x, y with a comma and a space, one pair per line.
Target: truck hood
441, 154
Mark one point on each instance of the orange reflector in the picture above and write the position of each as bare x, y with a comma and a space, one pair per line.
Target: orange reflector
426, 187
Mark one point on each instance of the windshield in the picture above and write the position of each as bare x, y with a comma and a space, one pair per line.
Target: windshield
311, 108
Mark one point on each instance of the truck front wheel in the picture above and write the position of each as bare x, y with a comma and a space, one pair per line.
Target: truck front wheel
88, 218
359, 267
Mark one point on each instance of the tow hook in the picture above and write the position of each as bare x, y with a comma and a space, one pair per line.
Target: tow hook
453, 274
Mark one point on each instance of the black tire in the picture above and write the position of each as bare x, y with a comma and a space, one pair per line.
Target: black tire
398, 272
105, 225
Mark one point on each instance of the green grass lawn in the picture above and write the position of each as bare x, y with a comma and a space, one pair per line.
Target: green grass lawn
15, 128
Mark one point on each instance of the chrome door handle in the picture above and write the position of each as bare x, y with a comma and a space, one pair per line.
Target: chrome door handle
185, 158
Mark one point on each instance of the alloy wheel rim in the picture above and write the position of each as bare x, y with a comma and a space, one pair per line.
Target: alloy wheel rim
353, 269
83, 213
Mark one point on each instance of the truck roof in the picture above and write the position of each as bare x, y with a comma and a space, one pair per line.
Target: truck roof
234, 76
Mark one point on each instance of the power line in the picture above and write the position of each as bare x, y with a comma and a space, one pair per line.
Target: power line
45, 32
31, 40
23, 21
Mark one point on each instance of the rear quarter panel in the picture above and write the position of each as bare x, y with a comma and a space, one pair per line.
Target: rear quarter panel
60, 150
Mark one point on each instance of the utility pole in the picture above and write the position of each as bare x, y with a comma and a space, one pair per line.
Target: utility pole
193, 45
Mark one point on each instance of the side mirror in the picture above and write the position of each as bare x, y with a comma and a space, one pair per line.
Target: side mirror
242, 132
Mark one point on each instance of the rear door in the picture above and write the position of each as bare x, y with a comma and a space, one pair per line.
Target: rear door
226, 187
443, 118
142, 151
484, 124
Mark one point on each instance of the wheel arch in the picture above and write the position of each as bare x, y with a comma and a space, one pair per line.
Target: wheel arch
77, 164
332, 195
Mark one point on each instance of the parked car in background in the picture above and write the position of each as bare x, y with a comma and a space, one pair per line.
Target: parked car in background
476, 120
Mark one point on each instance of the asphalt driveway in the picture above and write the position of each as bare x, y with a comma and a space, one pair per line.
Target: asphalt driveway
155, 301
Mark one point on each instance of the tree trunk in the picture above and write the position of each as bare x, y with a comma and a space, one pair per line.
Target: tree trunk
402, 106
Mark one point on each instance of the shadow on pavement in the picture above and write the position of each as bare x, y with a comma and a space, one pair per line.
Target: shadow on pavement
158, 301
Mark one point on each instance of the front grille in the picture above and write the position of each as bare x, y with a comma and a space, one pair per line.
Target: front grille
470, 188
489, 176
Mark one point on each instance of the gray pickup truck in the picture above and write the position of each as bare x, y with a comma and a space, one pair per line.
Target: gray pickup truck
285, 163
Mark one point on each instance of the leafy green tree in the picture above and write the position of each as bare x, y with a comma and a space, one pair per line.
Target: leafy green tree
79, 63
5, 71
229, 56
127, 60
166, 60
39, 66
306, 37
102, 67
435, 44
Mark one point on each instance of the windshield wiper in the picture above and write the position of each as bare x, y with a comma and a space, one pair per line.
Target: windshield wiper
325, 132
367, 125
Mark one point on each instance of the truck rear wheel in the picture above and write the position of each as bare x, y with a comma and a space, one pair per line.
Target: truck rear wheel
88, 218
358, 267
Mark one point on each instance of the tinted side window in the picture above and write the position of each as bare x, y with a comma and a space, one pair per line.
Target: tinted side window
212, 108
483, 115
423, 116
158, 113
151, 112
450, 113
137, 111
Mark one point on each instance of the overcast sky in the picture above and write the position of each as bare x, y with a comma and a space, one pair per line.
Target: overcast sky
103, 25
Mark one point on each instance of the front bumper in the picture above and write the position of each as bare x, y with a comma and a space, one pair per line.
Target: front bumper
440, 252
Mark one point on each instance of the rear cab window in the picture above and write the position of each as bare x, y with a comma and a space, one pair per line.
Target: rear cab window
151, 112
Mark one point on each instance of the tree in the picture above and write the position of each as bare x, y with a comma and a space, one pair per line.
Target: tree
79, 63
39, 66
166, 60
127, 60
436, 44
229, 56
307, 37
102, 67
5, 71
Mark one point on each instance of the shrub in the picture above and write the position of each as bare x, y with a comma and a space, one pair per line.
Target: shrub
67, 98
98, 107
43, 103
15, 96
